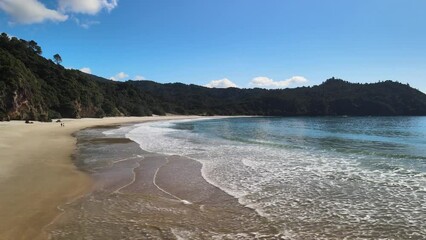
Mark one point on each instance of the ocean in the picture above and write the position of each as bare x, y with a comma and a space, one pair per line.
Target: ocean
312, 178
252, 178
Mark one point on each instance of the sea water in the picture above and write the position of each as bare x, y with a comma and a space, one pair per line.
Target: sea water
312, 178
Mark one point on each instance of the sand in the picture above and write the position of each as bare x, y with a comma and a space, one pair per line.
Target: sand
143, 195
37, 173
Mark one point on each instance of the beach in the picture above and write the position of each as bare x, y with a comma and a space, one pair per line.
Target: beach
37, 173
213, 178
145, 195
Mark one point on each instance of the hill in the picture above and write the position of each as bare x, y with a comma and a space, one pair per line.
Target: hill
33, 87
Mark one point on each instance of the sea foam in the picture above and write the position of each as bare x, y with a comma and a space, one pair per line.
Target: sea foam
299, 188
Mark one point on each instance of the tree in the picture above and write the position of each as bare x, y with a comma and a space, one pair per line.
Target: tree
34, 46
57, 58
4, 35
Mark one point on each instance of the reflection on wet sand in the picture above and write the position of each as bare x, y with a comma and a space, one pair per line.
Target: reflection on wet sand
141, 195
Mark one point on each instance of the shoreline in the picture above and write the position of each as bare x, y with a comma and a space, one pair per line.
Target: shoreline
151, 195
37, 173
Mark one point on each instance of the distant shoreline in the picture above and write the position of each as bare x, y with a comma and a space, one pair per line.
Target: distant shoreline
37, 173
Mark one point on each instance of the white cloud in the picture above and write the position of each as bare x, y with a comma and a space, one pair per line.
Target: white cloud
139, 77
119, 76
221, 83
265, 82
34, 11
91, 7
30, 11
86, 70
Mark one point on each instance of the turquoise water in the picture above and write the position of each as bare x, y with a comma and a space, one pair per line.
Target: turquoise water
312, 178
390, 142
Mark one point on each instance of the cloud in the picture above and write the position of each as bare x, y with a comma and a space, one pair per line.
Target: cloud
139, 77
91, 7
30, 11
119, 76
86, 24
34, 11
265, 82
86, 70
221, 83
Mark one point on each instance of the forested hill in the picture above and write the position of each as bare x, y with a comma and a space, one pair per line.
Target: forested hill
333, 97
32, 87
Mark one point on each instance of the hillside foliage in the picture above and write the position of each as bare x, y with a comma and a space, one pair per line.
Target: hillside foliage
33, 87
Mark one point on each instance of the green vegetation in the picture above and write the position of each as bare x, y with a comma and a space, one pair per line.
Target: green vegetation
33, 87
57, 58
333, 97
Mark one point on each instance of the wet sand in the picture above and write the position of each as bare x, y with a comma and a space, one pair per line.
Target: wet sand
142, 195
37, 173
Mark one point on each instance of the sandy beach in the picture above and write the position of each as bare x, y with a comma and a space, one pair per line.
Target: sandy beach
37, 173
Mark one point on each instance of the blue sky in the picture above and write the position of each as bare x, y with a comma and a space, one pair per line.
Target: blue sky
266, 43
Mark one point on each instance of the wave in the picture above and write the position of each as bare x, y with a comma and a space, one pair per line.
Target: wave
297, 186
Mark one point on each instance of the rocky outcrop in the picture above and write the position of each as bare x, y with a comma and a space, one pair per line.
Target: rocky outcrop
24, 109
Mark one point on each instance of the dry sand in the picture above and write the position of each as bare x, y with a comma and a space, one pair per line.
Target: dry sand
37, 173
